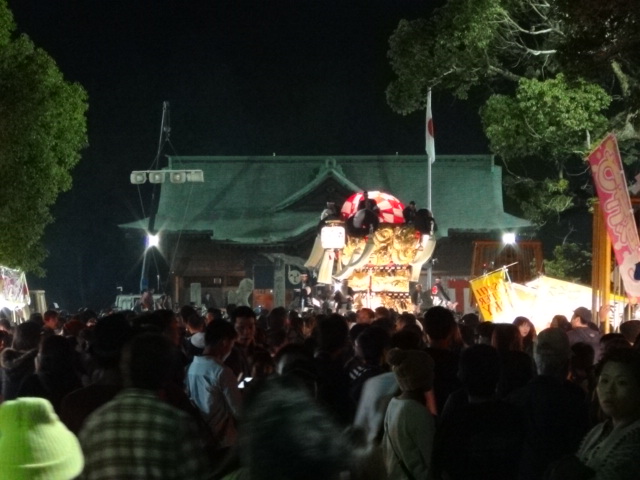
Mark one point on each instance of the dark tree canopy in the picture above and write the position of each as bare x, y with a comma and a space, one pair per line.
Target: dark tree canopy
42, 131
555, 75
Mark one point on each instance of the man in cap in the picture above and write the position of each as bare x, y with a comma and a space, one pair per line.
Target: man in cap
581, 332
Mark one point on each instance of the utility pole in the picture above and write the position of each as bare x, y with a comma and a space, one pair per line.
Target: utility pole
165, 133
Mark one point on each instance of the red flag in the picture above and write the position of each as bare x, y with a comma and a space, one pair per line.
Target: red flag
430, 146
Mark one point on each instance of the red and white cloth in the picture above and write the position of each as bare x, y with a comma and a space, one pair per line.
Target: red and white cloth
390, 207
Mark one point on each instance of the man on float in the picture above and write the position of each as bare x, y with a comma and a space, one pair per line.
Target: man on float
366, 217
441, 297
409, 212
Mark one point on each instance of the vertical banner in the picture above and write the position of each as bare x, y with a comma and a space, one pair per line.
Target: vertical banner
611, 186
492, 295
14, 292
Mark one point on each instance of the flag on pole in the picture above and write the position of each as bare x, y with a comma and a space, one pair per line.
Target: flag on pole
430, 146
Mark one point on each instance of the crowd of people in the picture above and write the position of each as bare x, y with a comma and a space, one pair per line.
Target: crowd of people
372, 394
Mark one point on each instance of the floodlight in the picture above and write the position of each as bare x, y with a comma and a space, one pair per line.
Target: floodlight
509, 238
156, 176
195, 176
178, 176
153, 240
138, 178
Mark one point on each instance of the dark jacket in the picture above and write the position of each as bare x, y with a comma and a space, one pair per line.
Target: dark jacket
16, 366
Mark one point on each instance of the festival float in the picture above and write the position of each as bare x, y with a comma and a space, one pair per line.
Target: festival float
373, 250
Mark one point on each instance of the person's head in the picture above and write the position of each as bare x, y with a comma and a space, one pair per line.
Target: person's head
278, 319
110, 335
295, 362
582, 358
195, 323
219, 337
470, 319
611, 341
526, 329
333, 333
484, 332
413, 369
439, 324
37, 318
285, 436
263, 365
186, 312
164, 321
412, 205
506, 337
405, 319
552, 353
148, 361
51, 319
27, 336
382, 312
213, 314
5, 324
244, 321
56, 354
418, 287
386, 324
308, 325
365, 315
479, 370
560, 321
371, 344
581, 317
276, 339
468, 334
407, 339
630, 329
5, 339
35, 444
619, 385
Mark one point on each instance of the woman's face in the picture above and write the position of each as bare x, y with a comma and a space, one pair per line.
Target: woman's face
524, 328
619, 393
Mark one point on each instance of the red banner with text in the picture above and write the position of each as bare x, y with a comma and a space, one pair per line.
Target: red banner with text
611, 186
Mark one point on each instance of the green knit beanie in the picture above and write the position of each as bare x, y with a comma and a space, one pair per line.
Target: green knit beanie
35, 444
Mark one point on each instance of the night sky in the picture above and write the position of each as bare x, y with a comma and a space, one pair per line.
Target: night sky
296, 77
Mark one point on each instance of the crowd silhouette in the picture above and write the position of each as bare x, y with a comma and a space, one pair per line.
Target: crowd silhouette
373, 394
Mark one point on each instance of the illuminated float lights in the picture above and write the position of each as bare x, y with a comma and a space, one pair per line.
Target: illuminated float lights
380, 268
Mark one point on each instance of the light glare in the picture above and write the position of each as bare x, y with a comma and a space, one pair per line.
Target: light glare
153, 240
509, 238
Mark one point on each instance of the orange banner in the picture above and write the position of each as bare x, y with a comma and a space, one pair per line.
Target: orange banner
609, 179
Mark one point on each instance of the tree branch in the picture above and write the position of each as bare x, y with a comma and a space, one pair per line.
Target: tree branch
504, 73
623, 79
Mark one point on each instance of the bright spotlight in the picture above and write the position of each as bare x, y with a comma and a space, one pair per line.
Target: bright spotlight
153, 240
509, 238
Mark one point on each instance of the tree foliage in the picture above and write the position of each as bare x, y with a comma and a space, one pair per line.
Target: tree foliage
547, 119
42, 131
554, 73
571, 262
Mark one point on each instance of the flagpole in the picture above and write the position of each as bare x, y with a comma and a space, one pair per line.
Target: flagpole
429, 159
429, 151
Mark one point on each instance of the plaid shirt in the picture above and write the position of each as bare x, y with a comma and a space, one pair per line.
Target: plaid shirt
138, 436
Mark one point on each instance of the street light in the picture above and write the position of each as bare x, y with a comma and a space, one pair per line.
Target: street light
509, 238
